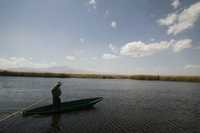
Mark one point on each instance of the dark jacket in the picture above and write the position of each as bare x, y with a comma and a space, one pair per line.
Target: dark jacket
56, 92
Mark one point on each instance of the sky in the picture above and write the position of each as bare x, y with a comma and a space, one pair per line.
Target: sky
104, 36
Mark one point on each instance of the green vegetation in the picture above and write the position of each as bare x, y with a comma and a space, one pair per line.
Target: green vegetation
102, 76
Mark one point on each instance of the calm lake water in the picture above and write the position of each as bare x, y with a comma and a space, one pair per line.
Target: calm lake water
129, 106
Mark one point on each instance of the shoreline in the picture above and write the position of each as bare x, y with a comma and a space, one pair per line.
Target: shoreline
101, 76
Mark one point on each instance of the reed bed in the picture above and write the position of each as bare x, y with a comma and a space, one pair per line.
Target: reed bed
102, 76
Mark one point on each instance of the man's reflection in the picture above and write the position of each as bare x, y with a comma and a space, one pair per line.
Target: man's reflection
55, 123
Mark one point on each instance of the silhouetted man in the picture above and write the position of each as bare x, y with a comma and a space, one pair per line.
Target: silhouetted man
56, 93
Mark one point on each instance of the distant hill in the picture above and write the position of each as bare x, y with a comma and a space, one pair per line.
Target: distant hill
56, 69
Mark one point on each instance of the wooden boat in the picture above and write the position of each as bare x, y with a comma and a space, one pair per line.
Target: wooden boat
64, 107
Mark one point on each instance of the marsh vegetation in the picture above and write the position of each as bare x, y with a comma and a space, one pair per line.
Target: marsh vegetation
102, 76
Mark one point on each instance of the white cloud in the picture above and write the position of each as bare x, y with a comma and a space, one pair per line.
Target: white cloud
192, 66
113, 48
113, 24
152, 39
82, 40
17, 62
198, 47
175, 3
71, 58
178, 22
182, 44
94, 58
93, 3
106, 13
141, 49
108, 56
170, 19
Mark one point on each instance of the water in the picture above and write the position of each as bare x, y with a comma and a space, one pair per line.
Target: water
128, 106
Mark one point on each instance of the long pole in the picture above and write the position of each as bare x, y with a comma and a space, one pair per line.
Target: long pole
21, 110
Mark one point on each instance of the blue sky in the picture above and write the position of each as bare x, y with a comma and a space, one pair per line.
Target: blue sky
110, 36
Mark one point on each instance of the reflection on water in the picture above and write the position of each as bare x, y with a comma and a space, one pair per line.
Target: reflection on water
55, 123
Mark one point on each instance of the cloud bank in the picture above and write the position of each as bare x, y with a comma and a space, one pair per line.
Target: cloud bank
108, 56
141, 49
192, 66
179, 22
19, 62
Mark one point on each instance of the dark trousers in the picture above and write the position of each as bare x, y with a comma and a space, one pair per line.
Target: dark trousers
56, 102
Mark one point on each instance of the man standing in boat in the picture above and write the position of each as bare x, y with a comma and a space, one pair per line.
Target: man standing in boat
56, 93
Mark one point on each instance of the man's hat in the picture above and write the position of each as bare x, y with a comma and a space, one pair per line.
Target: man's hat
59, 82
